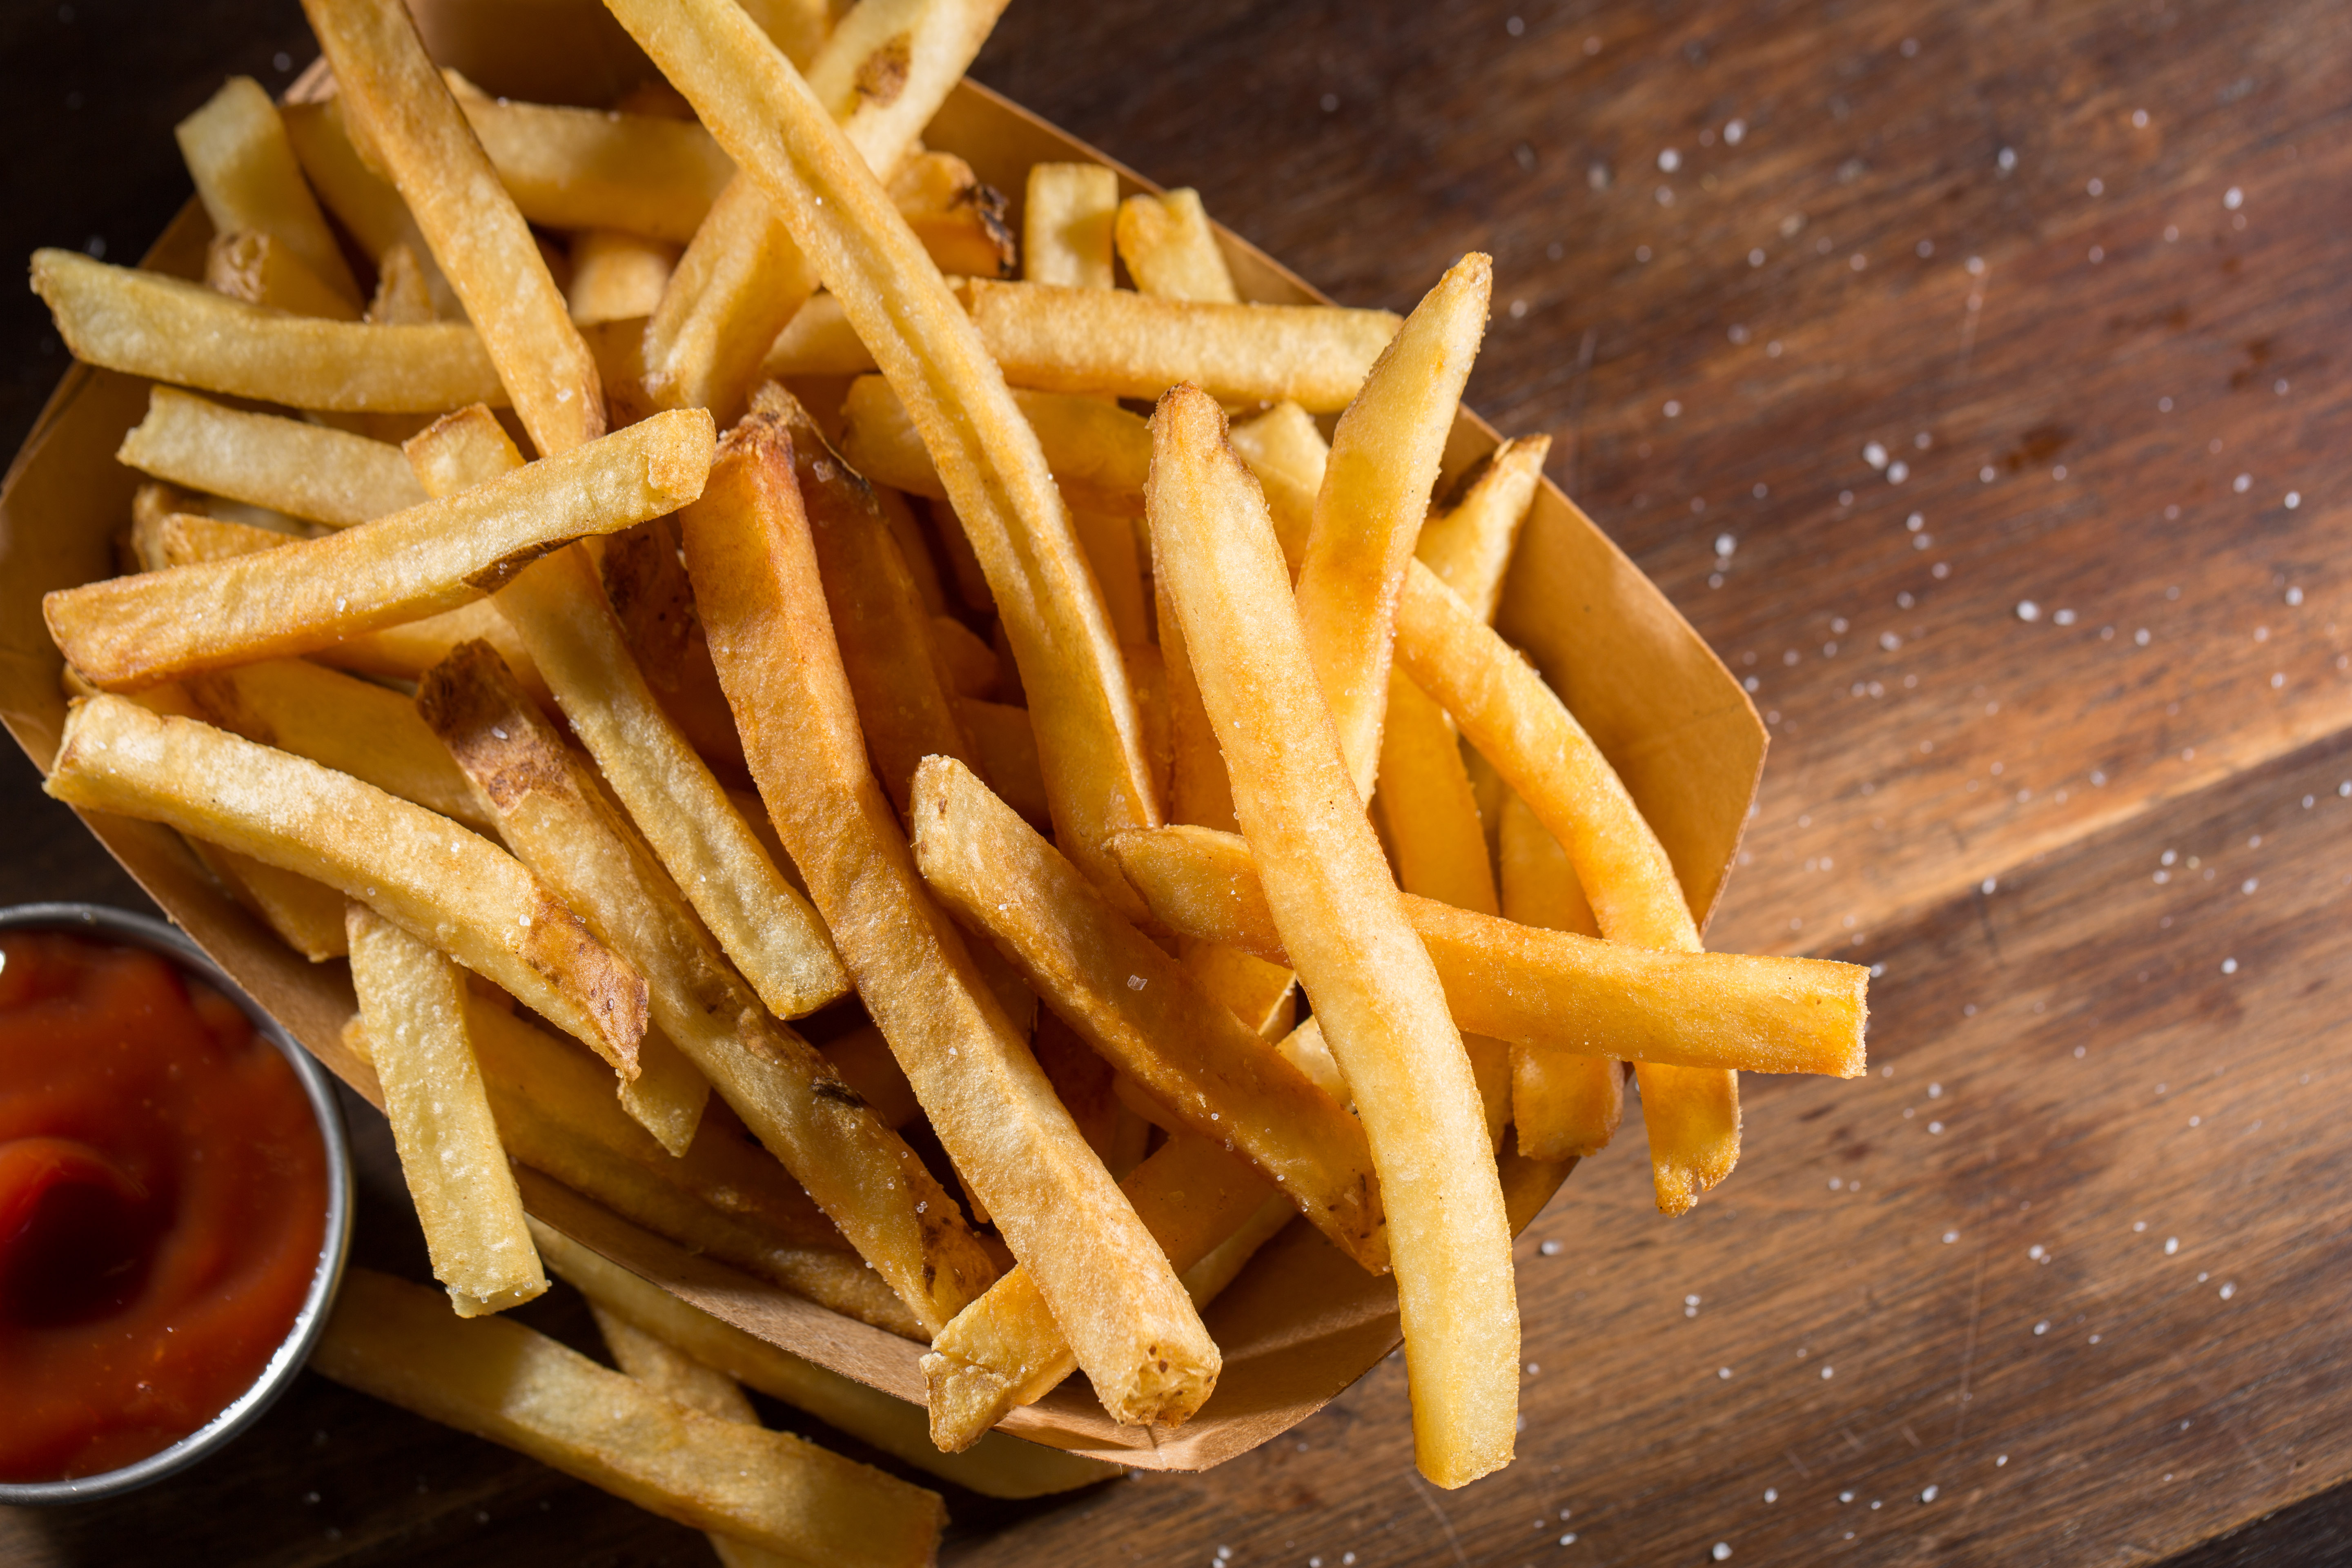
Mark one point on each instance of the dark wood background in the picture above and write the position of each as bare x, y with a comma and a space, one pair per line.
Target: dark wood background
2064, 1280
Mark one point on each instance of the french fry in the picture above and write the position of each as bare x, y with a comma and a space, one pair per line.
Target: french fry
413, 1000
1067, 224
882, 73
352, 726
1006, 1349
1375, 493
361, 199
1005, 750
498, 1380
1089, 742
1549, 989
418, 869
617, 276
1565, 1103
143, 323
1427, 806
862, 1174
397, 102
303, 914
260, 270
1097, 451
1329, 892
1170, 250
1690, 1115
1134, 345
796, 26
645, 583
245, 175
959, 221
1205, 1281
305, 470
904, 709
863, 1058
434, 556
1469, 543
1286, 455
1140, 1009
1106, 539
590, 169
756, 578
404, 292
817, 340
968, 664
998, 1466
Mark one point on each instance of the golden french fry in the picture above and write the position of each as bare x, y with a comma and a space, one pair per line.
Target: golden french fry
796, 26
433, 556
1375, 493
398, 102
1425, 803
1097, 451
590, 169
1089, 743
1133, 345
414, 1000
818, 340
403, 291
1006, 1350
862, 1174
959, 221
1469, 544
617, 276
1565, 1103
352, 726
304, 914
1329, 892
1223, 1264
498, 1380
967, 663
143, 323
756, 579
1170, 250
1550, 989
1068, 224
261, 270
418, 869
305, 470
362, 198
1005, 750
998, 1467
1692, 1115
1106, 539
882, 73
1140, 1009
245, 175
654, 604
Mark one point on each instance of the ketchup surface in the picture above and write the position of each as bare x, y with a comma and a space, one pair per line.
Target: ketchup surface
163, 1202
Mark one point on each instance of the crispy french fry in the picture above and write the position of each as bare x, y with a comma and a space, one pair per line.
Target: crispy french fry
590, 169
756, 578
1089, 742
1375, 493
654, 605
1006, 1350
362, 198
1106, 539
1170, 250
1068, 224
863, 1175
817, 340
1690, 1115
1553, 990
1223, 1264
498, 1380
967, 663
617, 276
1469, 544
415, 867
1286, 455
1140, 1009
302, 912
1427, 806
1329, 892
431, 557
1565, 1103
959, 221
882, 73
245, 175
352, 726
414, 1000
796, 26
998, 1467
260, 270
1005, 751
143, 323
404, 292
1133, 345
904, 709
302, 469
1097, 451
397, 100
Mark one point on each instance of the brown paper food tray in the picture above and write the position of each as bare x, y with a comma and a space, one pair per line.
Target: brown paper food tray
1302, 1322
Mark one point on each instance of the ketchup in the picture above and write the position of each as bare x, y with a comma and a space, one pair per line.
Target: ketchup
163, 1202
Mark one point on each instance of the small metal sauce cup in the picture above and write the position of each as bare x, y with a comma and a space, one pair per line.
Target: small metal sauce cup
140, 931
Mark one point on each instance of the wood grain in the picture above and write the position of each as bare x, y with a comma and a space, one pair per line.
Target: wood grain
2060, 764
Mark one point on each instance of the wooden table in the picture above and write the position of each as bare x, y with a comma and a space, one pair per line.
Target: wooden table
1972, 376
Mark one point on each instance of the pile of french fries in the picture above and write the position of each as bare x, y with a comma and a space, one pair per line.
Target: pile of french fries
712, 572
